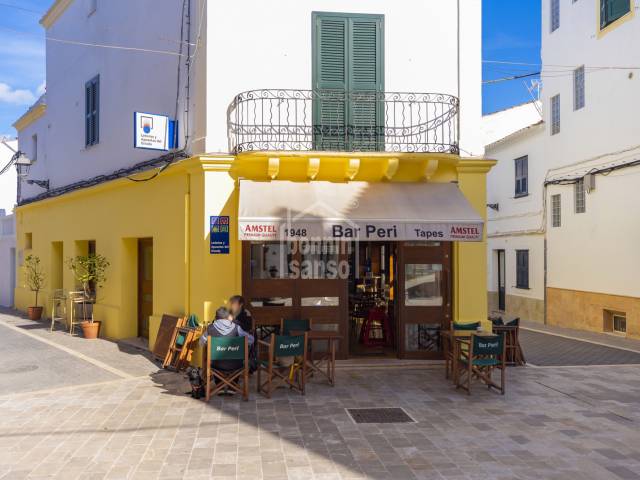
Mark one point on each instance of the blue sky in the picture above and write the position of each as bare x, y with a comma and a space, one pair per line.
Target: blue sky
511, 32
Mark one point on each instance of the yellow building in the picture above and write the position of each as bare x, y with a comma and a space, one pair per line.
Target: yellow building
156, 234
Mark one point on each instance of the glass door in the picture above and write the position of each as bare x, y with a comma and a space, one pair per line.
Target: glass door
424, 300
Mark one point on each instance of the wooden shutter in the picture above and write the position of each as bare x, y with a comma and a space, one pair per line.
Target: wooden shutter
365, 73
348, 82
92, 109
611, 10
330, 83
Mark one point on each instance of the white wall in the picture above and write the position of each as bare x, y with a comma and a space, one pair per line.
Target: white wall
519, 222
129, 81
9, 178
596, 251
253, 44
7, 259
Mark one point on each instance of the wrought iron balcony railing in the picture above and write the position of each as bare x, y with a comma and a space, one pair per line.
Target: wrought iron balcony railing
338, 120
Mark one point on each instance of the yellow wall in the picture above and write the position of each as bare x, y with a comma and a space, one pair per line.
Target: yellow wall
174, 210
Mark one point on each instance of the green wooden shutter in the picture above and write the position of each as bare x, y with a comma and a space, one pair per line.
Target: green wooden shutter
348, 82
611, 10
330, 83
366, 84
92, 111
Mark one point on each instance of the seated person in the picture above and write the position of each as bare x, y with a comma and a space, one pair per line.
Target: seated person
241, 315
223, 326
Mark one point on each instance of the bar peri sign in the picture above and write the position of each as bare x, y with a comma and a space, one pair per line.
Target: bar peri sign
219, 235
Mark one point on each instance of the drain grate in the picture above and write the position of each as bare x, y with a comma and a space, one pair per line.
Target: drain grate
379, 415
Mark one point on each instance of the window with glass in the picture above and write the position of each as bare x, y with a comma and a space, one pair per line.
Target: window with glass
555, 210
619, 323
578, 196
321, 260
271, 260
578, 88
555, 15
422, 285
522, 268
555, 114
612, 10
522, 176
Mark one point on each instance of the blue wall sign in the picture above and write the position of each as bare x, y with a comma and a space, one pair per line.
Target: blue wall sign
219, 235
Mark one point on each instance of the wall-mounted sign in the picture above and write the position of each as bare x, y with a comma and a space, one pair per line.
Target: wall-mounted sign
154, 132
219, 235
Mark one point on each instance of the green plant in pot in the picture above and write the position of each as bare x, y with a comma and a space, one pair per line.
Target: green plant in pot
90, 272
34, 279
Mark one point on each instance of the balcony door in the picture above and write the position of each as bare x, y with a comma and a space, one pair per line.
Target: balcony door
348, 82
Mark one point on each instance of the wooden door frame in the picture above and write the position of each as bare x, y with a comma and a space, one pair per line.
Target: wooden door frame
296, 289
141, 244
501, 274
441, 254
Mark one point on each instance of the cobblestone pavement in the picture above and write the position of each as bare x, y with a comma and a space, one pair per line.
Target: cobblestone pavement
552, 350
553, 423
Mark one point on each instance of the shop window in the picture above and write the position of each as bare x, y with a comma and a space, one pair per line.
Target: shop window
272, 302
321, 260
612, 10
271, 260
615, 322
578, 196
522, 268
320, 301
522, 176
422, 285
556, 210
421, 337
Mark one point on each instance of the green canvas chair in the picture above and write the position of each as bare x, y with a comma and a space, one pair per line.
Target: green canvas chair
288, 325
282, 347
483, 354
227, 348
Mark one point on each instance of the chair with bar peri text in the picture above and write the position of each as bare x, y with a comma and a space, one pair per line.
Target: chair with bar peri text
230, 351
292, 372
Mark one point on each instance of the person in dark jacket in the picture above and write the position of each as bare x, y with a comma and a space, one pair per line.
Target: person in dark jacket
223, 326
241, 316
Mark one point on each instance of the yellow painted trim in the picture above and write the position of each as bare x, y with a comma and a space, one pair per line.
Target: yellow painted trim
474, 165
360, 155
612, 26
54, 12
30, 116
204, 163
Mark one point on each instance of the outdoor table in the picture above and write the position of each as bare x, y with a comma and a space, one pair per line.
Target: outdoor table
512, 343
322, 359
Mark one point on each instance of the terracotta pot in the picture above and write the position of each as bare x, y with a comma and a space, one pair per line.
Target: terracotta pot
90, 330
35, 313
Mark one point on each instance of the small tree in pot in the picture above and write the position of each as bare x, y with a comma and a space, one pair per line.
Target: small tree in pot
34, 279
89, 271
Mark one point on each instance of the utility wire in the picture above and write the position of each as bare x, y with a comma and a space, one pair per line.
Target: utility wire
505, 79
611, 67
8, 5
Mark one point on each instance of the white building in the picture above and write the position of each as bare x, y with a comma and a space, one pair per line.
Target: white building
574, 222
371, 95
8, 186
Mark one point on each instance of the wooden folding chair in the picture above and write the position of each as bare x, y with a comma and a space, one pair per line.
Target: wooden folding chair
449, 343
223, 349
288, 325
483, 354
294, 375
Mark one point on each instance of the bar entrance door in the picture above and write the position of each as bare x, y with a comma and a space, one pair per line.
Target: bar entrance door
424, 297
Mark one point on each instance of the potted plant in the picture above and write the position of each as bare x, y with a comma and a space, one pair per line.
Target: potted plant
34, 278
90, 272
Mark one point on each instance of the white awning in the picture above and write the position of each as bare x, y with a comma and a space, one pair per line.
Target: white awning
280, 210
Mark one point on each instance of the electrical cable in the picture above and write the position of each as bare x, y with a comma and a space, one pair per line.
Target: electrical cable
8, 5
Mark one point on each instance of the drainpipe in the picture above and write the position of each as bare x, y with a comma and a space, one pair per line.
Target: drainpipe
458, 79
187, 246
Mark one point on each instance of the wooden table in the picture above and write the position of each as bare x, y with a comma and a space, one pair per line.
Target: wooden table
317, 360
451, 347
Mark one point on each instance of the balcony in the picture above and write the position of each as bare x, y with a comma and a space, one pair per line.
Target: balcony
343, 121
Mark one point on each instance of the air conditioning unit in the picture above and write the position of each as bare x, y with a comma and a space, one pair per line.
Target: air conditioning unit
589, 182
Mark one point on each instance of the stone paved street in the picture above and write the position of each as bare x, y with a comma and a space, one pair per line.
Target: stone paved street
553, 423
